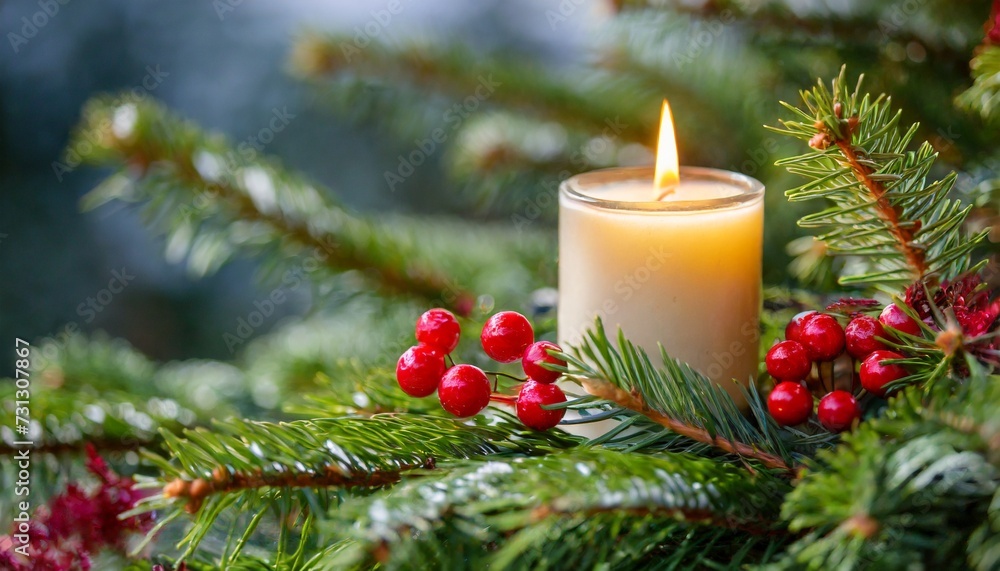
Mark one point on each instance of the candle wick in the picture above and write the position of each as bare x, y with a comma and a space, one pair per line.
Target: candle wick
665, 192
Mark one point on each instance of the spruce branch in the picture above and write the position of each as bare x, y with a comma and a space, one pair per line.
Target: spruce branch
99, 391
685, 402
250, 467
883, 210
212, 201
507, 513
65, 421
456, 72
908, 488
860, 26
242, 562
632, 402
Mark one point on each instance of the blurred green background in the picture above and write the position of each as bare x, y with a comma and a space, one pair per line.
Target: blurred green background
724, 65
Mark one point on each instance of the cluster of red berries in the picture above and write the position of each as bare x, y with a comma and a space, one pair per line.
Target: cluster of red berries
813, 337
465, 390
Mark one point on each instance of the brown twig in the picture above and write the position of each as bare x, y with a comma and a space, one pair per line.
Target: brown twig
225, 480
633, 402
889, 213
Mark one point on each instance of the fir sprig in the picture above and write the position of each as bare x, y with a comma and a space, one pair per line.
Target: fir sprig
108, 420
526, 513
105, 392
685, 402
248, 467
883, 211
212, 202
820, 24
909, 488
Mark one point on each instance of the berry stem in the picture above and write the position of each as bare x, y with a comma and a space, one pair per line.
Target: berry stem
853, 380
826, 375
509, 376
505, 399
451, 361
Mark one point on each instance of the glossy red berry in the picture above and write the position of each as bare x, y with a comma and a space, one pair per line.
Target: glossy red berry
439, 328
794, 327
535, 355
788, 361
838, 410
419, 370
875, 375
822, 337
506, 335
790, 403
529, 405
895, 318
861, 335
464, 391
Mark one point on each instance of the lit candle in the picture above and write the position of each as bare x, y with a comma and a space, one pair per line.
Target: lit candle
670, 256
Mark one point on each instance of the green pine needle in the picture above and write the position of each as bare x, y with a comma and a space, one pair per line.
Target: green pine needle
566, 510
883, 211
686, 402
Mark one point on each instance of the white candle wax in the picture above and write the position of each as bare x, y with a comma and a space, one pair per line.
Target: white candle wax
684, 271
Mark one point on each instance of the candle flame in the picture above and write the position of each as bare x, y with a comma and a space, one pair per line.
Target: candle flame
667, 174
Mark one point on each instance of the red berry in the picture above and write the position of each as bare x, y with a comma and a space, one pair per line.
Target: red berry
861, 335
535, 355
438, 327
506, 335
822, 337
419, 370
875, 375
788, 361
790, 403
464, 391
794, 327
838, 410
529, 405
895, 318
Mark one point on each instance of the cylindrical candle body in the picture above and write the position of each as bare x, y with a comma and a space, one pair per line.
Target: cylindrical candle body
684, 271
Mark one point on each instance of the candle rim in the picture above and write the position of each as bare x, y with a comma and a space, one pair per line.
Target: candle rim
751, 189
